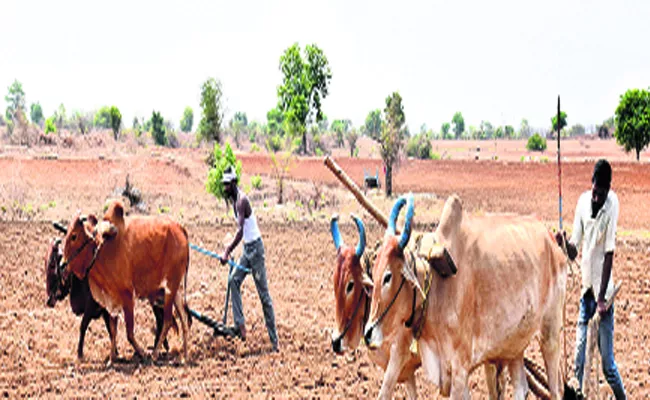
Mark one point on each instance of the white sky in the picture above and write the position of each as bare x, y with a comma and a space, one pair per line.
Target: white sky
499, 61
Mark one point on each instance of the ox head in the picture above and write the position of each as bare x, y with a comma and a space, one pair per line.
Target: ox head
56, 288
350, 285
391, 303
80, 242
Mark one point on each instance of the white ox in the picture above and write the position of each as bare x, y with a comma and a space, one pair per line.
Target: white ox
510, 284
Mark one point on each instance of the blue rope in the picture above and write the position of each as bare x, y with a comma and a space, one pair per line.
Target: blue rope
218, 257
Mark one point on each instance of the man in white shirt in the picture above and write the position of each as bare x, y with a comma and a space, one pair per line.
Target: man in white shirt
252, 258
594, 226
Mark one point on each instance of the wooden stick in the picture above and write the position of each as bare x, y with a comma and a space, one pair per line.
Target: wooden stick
352, 187
592, 333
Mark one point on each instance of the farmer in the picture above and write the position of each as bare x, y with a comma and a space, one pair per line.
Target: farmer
252, 258
594, 226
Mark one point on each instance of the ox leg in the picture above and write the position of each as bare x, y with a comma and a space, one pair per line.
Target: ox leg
82, 334
112, 331
495, 380
167, 323
399, 354
459, 388
180, 308
130, 325
158, 313
411, 388
518, 376
550, 345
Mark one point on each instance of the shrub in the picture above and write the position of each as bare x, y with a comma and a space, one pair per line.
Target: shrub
255, 148
435, 156
274, 143
221, 161
50, 126
256, 182
536, 143
419, 146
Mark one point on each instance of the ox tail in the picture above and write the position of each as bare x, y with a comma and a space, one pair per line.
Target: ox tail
187, 271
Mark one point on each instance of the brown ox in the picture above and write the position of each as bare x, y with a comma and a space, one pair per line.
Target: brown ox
129, 258
353, 302
510, 284
351, 291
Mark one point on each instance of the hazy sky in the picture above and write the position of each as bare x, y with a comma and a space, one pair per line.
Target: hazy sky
499, 61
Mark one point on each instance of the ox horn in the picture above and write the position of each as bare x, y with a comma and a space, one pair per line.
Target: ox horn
334, 228
361, 246
59, 227
410, 209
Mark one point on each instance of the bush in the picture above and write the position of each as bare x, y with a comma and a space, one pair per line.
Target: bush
255, 148
419, 146
536, 143
435, 156
274, 143
158, 129
50, 126
221, 161
172, 140
256, 182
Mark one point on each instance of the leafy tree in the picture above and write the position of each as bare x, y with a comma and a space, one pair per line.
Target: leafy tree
499, 132
509, 132
103, 118
445, 130
562, 121
187, 120
50, 126
352, 136
341, 128
211, 110
392, 136
275, 119
577, 130
373, 124
487, 130
60, 118
116, 121
524, 128
536, 143
158, 131
633, 121
82, 121
222, 160
305, 84
459, 124
323, 125
15, 100
136, 124
241, 118
419, 146
36, 113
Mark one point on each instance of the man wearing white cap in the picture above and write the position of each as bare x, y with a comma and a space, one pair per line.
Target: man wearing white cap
252, 258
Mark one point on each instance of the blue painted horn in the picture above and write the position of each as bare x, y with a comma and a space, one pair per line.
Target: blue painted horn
361, 245
334, 228
410, 209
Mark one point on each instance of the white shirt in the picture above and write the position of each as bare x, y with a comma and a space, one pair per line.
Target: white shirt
598, 236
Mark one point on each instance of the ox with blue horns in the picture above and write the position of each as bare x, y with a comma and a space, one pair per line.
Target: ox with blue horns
352, 286
458, 323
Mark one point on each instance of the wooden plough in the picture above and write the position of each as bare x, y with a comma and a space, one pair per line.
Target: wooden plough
537, 381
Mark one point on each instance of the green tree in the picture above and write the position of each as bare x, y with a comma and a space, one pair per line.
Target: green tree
352, 136
274, 122
222, 160
392, 136
60, 118
487, 130
633, 121
187, 120
50, 126
419, 146
459, 124
36, 113
211, 110
445, 130
562, 121
158, 131
305, 84
103, 118
499, 132
82, 121
323, 125
15, 101
524, 128
341, 127
577, 130
116, 121
509, 132
536, 143
373, 124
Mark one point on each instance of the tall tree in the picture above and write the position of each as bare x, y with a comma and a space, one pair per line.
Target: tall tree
459, 124
352, 136
60, 117
373, 124
15, 99
562, 121
392, 136
274, 121
116, 121
341, 128
305, 83
36, 113
633, 121
211, 110
445, 130
187, 120
524, 129
103, 118
158, 129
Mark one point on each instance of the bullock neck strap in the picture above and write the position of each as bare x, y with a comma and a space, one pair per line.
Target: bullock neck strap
92, 262
416, 326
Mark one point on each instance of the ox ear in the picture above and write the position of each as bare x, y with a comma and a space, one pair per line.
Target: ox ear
408, 272
92, 220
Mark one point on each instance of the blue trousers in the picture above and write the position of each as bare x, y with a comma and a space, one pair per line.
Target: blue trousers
588, 307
